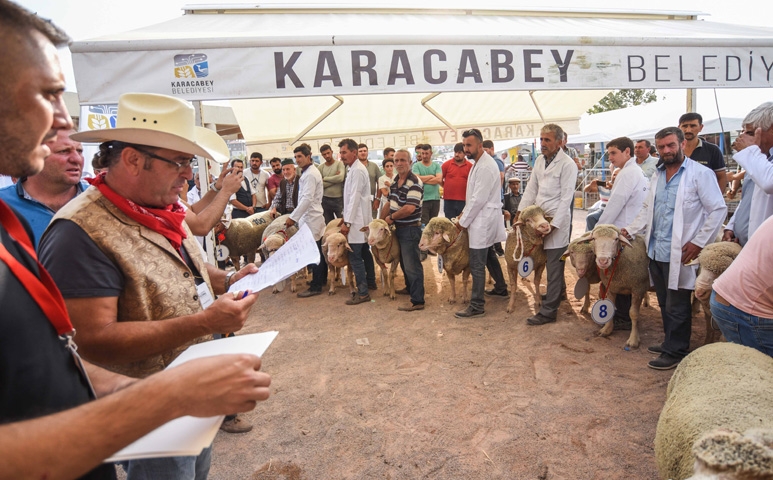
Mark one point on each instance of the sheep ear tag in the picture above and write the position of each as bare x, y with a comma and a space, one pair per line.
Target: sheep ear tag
525, 267
440, 263
581, 288
603, 311
221, 253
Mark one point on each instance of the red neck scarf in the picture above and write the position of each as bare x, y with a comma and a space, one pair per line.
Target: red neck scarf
166, 221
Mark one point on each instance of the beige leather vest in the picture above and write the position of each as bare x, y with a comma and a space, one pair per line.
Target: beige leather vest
158, 284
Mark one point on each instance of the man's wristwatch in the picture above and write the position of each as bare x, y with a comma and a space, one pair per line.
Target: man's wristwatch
228, 280
213, 186
348, 225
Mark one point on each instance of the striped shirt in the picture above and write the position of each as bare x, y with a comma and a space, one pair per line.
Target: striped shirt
410, 193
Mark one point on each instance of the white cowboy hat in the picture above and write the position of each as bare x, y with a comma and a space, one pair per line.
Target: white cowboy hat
159, 121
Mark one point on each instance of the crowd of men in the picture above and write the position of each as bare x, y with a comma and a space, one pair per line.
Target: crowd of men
139, 292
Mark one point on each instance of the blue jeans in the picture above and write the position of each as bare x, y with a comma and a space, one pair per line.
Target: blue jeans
453, 208
170, 468
358, 266
592, 219
408, 238
739, 327
676, 310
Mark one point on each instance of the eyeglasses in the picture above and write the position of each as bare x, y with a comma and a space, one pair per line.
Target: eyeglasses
474, 132
180, 165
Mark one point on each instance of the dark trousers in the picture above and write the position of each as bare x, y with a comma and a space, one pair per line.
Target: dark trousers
623, 308
453, 208
480, 260
408, 238
370, 269
676, 310
332, 208
429, 210
358, 266
318, 271
495, 269
556, 282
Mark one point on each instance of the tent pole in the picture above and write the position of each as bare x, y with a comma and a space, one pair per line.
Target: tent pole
319, 119
691, 100
534, 101
209, 239
433, 112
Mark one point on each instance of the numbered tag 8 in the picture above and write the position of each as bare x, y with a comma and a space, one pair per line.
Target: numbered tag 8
525, 267
221, 253
602, 311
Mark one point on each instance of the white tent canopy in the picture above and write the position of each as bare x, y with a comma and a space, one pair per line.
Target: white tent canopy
442, 69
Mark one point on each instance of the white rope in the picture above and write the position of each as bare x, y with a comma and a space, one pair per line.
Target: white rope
519, 243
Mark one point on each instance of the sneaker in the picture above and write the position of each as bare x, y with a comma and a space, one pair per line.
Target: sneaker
358, 300
539, 319
469, 313
494, 293
403, 291
309, 293
235, 425
664, 362
411, 307
656, 349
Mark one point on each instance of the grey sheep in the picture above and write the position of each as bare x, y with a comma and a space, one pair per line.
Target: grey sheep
533, 226
721, 385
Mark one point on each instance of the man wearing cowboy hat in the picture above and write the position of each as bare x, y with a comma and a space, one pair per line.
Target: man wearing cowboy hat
51, 422
139, 292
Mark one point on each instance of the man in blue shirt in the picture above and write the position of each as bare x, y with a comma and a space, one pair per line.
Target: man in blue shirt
39, 197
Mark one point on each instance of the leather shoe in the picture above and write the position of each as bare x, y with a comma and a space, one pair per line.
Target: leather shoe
358, 300
403, 291
494, 293
309, 293
469, 312
411, 307
539, 319
664, 362
656, 349
235, 425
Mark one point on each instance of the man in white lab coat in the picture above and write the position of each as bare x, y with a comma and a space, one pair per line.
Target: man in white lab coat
625, 202
482, 217
683, 212
308, 211
357, 214
551, 186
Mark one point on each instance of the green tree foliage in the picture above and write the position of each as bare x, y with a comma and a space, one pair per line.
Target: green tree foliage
622, 99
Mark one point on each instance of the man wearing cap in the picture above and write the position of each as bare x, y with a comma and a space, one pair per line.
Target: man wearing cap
512, 198
51, 424
287, 193
309, 212
37, 198
139, 292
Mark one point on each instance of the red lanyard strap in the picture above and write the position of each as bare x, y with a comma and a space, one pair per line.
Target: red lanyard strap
43, 290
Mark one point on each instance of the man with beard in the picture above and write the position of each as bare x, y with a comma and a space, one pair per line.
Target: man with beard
275, 179
683, 212
701, 151
286, 198
39, 197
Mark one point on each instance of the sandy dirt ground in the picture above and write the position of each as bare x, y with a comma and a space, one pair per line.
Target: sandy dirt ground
433, 396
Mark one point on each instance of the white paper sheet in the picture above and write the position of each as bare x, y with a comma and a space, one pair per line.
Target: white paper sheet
300, 251
190, 435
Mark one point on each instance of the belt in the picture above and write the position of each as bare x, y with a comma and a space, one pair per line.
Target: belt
721, 300
414, 224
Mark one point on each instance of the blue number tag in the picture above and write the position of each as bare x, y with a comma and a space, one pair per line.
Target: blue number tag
221, 252
602, 311
440, 263
525, 267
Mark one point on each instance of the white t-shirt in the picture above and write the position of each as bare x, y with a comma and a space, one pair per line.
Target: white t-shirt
258, 185
382, 184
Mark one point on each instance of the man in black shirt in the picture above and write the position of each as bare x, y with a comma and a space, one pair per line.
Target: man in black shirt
50, 424
703, 152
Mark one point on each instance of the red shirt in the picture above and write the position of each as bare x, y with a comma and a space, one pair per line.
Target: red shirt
273, 181
455, 180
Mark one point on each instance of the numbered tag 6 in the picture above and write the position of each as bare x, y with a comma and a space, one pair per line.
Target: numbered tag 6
525, 267
602, 311
221, 253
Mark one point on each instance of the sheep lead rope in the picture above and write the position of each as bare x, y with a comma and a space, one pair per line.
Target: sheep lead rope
602, 288
519, 243
458, 236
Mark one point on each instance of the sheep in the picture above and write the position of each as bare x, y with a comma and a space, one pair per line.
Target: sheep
583, 260
442, 237
622, 270
385, 249
274, 236
720, 385
336, 248
243, 236
533, 225
713, 260
725, 454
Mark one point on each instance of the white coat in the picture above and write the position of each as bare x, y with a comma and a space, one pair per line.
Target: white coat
628, 194
482, 214
552, 188
357, 205
760, 170
698, 215
309, 208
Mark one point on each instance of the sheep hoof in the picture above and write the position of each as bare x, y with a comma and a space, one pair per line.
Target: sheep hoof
452, 300
390, 295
